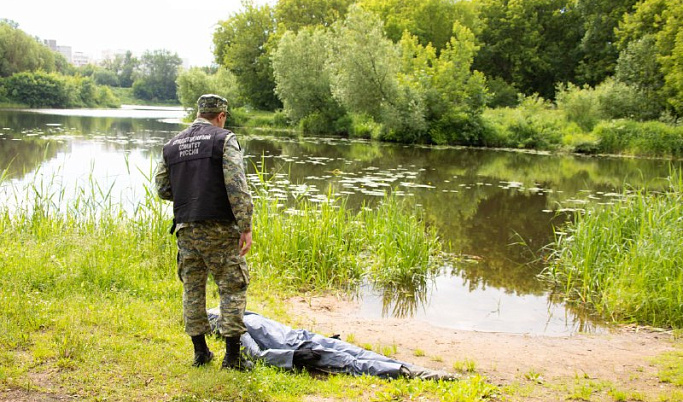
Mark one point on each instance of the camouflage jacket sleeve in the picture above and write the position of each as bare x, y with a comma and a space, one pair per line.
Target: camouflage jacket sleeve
162, 181
236, 184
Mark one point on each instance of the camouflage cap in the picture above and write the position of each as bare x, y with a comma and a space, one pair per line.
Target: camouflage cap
211, 103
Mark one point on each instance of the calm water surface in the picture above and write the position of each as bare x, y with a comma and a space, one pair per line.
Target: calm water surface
498, 208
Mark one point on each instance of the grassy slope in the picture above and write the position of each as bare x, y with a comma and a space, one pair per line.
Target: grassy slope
91, 307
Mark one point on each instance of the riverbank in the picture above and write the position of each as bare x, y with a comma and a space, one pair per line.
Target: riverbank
527, 128
90, 309
627, 364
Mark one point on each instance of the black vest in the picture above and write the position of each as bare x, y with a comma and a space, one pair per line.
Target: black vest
195, 163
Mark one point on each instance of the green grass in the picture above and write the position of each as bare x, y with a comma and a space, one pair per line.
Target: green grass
624, 260
90, 305
126, 97
670, 368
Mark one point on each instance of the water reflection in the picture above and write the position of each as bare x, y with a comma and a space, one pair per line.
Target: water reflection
458, 306
496, 208
29, 137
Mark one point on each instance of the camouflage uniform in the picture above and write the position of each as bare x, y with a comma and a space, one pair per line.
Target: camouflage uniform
213, 246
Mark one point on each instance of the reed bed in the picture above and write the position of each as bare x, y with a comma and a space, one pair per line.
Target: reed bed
624, 260
326, 245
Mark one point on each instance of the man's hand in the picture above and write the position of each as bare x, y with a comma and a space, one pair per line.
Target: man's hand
245, 243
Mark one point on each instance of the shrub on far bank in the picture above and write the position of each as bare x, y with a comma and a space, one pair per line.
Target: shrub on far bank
650, 138
40, 89
363, 126
534, 124
612, 99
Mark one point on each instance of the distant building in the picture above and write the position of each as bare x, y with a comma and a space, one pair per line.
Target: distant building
79, 59
75, 58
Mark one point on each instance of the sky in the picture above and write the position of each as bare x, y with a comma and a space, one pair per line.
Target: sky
182, 26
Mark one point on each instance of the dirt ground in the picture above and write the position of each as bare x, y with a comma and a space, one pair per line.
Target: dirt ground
535, 368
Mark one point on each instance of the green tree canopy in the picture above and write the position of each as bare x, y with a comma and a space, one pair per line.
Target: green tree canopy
195, 82
156, 76
531, 44
364, 64
21, 52
598, 44
41, 89
241, 45
302, 81
431, 21
663, 21
123, 66
294, 15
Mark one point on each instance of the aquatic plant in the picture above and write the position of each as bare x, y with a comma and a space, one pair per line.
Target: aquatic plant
324, 245
624, 259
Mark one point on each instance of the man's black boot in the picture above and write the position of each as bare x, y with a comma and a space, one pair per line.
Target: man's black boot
202, 354
233, 355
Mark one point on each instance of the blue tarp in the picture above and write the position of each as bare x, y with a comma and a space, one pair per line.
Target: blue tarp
277, 344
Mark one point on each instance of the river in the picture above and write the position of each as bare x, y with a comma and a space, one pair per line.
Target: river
497, 208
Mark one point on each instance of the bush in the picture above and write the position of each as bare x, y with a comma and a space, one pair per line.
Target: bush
238, 117
640, 138
315, 123
37, 89
52, 90
532, 125
3, 91
364, 126
619, 100
531, 133
106, 98
106, 77
343, 125
280, 119
460, 128
579, 105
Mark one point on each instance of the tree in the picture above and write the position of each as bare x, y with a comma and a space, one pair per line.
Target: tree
638, 66
302, 82
241, 44
156, 76
363, 64
530, 44
294, 15
453, 96
431, 21
662, 21
38, 89
598, 44
670, 44
196, 81
21, 52
105, 77
41, 89
123, 66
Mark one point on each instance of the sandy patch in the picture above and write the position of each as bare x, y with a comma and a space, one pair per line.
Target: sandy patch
622, 357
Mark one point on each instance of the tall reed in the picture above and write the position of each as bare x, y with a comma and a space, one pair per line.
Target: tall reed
625, 259
312, 245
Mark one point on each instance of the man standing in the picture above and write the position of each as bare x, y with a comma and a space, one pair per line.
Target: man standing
202, 172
